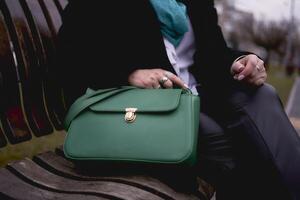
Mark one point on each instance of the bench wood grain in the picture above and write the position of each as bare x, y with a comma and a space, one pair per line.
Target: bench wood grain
50, 175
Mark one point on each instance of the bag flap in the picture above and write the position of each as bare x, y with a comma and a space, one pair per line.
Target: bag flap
145, 100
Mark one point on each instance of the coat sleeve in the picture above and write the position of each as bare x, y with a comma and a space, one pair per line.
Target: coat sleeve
213, 58
95, 46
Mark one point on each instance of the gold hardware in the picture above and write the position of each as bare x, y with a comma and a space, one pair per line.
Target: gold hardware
130, 115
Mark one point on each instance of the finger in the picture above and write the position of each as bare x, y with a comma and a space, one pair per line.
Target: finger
237, 67
176, 80
254, 73
162, 79
168, 84
138, 84
157, 86
258, 80
156, 73
150, 82
165, 82
248, 70
143, 84
260, 66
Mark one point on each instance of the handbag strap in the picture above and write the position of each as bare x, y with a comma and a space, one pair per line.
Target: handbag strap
90, 98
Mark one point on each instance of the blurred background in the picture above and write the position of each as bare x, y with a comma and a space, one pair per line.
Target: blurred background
270, 29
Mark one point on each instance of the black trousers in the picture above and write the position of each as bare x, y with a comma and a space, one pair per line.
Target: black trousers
248, 149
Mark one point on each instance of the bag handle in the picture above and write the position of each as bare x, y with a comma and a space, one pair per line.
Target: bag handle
90, 93
90, 98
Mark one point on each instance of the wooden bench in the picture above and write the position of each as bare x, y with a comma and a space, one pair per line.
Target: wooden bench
31, 106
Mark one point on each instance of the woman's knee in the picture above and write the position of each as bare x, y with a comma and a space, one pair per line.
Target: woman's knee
268, 91
208, 125
266, 96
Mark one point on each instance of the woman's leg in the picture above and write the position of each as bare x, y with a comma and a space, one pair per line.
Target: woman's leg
216, 163
266, 145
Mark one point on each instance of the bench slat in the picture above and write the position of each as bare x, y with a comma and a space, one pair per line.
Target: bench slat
52, 15
12, 187
55, 105
44, 47
59, 165
3, 141
12, 118
31, 172
60, 4
31, 79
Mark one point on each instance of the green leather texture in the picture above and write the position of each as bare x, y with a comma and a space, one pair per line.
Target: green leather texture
165, 129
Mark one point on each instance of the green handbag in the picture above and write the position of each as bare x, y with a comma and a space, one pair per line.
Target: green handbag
130, 124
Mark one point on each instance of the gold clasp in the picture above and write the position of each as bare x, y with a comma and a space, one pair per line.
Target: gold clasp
130, 115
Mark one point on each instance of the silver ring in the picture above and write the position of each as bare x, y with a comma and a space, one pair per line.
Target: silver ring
163, 80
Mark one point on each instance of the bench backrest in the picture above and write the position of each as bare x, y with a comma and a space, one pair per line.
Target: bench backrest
29, 103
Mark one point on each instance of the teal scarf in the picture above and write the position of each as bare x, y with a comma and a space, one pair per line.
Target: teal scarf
173, 19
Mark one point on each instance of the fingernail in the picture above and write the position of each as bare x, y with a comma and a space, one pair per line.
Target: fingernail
186, 86
241, 77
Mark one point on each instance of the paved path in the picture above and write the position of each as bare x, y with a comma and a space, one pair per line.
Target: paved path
293, 105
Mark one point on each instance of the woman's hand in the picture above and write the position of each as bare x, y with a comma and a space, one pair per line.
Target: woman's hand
249, 69
155, 78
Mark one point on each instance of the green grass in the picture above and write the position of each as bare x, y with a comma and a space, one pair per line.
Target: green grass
31, 148
283, 83
276, 77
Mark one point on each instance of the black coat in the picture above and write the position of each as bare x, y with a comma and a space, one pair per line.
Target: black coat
101, 42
